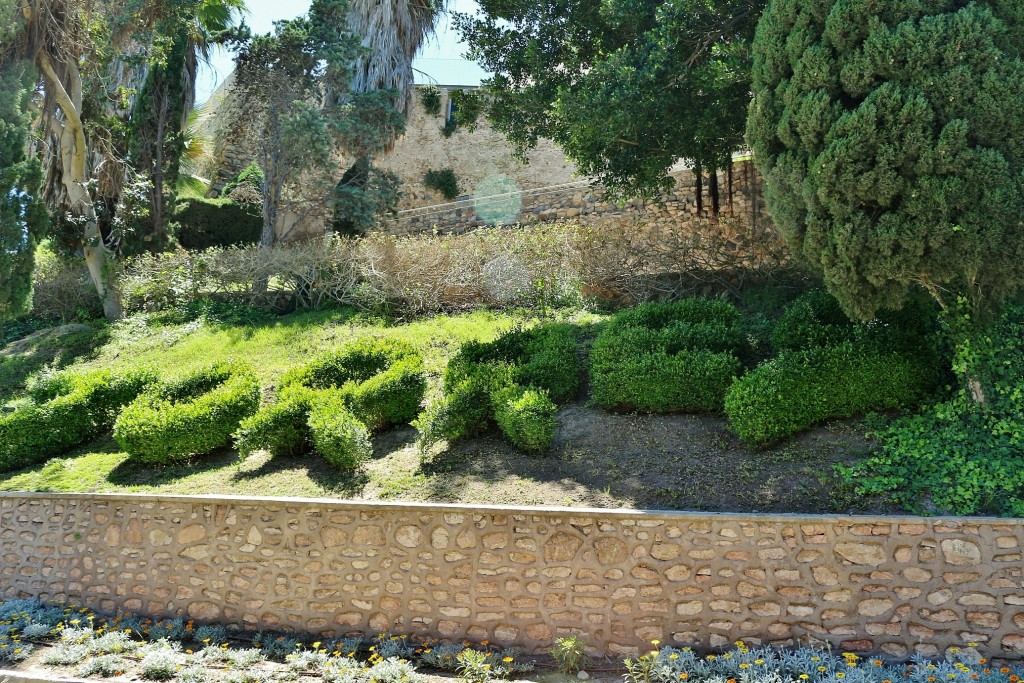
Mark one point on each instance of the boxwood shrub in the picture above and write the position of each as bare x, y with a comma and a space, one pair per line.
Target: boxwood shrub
528, 373
337, 434
380, 382
525, 416
69, 409
280, 428
799, 389
193, 415
668, 357
815, 319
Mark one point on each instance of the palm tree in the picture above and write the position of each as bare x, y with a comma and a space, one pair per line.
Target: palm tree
393, 32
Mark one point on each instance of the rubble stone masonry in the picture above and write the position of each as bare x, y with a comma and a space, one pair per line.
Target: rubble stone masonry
524, 576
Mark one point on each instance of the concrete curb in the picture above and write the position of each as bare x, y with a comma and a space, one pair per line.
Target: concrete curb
7, 676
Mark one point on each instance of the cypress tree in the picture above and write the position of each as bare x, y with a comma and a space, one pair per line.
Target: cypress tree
891, 137
22, 214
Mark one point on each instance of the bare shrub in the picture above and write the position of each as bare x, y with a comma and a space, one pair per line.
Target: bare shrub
539, 265
62, 289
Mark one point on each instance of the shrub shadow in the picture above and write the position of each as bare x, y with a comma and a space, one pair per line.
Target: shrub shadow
134, 473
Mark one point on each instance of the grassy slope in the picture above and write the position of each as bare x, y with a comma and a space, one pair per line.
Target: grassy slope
675, 461
270, 348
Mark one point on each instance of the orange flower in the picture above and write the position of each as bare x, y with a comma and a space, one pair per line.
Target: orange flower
1004, 670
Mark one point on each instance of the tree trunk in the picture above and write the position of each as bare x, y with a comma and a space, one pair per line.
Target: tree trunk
159, 218
75, 177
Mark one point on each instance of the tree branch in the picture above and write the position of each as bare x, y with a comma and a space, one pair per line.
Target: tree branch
71, 113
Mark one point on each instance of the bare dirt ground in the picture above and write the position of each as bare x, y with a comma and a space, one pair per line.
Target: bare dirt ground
684, 462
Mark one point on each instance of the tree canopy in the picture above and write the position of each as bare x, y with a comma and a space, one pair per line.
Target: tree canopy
22, 214
627, 88
294, 84
891, 138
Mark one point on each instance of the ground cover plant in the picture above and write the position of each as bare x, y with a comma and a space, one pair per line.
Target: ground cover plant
516, 382
959, 455
76, 641
677, 357
69, 640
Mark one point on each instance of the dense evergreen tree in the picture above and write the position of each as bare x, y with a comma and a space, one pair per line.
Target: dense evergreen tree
891, 138
294, 87
22, 213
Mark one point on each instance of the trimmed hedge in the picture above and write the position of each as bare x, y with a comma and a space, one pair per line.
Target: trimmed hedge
281, 428
815, 319
543, 357
337, 434
205, 223
515, 382
657, 382
663, 358
70, 409
802, 388
190, 416
378, 382
525, 416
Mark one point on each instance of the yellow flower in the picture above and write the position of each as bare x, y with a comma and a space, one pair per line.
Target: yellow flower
508, 660
840, 675
758, 661
674, 655
684, 676
316, 644
804, 677
655, 642
744, 665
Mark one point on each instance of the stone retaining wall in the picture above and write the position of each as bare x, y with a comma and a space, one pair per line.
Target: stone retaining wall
524, 576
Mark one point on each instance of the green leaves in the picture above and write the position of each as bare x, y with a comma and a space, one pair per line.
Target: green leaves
22, 215
625, 87
890, 138
663, 358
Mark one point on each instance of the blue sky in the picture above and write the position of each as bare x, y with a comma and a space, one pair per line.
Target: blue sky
440, 60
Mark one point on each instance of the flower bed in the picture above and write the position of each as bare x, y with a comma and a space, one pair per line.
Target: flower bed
81, 643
